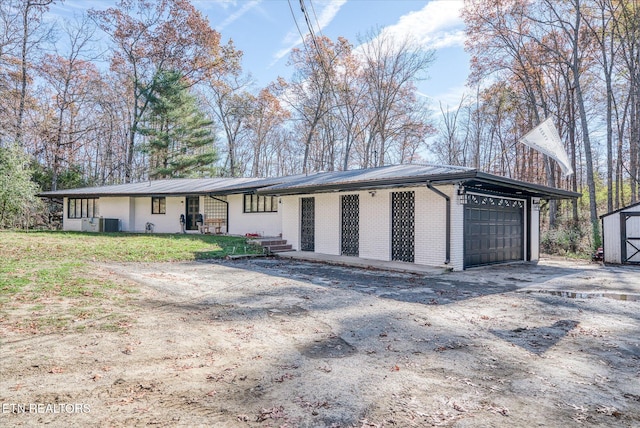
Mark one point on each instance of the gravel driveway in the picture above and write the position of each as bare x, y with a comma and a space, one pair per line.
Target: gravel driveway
270, 342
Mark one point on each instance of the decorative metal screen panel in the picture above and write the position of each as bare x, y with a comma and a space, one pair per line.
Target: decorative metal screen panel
215, 212
350, 225
494, 201
403, 226
493, 230
307, 224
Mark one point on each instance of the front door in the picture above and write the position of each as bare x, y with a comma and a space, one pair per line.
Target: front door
193, 209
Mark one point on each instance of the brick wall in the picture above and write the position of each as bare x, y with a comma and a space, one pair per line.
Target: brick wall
327, 223
290, 208
375, 225
240, 223
430, 244
457, 228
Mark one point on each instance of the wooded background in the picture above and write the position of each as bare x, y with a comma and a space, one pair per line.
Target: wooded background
149, 90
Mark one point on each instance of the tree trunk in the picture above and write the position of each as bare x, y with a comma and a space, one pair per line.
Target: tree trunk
633, 148
23, 72
593, 209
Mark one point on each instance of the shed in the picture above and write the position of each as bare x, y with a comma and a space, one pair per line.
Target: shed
621, 235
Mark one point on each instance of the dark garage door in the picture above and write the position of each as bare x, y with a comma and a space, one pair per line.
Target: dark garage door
493, 230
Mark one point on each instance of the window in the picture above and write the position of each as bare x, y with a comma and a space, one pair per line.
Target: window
260, 204
158, 205
82, 207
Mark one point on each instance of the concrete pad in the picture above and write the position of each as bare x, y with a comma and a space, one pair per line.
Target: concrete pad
363, 263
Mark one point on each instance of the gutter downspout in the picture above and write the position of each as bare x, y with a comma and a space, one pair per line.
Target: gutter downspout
448, 221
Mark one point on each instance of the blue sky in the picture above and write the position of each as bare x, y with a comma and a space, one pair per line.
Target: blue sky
265, 30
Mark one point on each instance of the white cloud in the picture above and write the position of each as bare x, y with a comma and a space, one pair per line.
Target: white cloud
449, 100
446, 40
207, 4
329, 12
237, 14
435, 26
324, 18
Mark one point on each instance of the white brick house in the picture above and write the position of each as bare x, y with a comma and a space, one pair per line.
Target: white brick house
220, 204
428, 215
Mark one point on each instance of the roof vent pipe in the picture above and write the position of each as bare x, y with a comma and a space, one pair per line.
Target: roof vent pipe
448, 221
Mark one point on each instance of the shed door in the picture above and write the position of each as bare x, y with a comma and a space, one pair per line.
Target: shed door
403, 226
350, 245
307, 224
493, 230
630, 231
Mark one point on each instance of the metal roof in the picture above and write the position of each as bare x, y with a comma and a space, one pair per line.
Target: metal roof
371, 178
356, 177
168, 187
412, 175
491, 182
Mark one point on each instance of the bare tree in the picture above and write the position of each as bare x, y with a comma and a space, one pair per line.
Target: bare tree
391, 68
71, 80
230, 102
150, 37
31, 14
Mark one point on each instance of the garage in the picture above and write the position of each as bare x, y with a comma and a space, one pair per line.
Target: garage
494, 230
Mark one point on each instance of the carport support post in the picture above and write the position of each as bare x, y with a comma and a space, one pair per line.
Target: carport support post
448, 222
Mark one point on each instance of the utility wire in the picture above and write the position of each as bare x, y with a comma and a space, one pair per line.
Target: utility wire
297, 26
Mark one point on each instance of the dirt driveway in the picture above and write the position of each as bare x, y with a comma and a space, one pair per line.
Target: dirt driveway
269, 342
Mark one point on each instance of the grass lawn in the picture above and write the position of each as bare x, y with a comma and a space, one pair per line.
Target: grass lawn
48, 279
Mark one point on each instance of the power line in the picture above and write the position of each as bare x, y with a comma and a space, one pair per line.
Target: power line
321, 58
297, 26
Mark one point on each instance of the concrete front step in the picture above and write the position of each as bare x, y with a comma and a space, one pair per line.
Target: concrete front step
273, 242
272, 245
278, 248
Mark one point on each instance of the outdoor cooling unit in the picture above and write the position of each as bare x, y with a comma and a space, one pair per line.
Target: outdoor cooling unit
99, 224
91, 224
110, 225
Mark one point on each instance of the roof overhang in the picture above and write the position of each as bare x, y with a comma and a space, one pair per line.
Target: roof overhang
344, 181
166, 188
479, 181
484, 182
353, 185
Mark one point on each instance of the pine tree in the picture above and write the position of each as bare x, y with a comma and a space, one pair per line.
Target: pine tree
180, 138
18, 199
